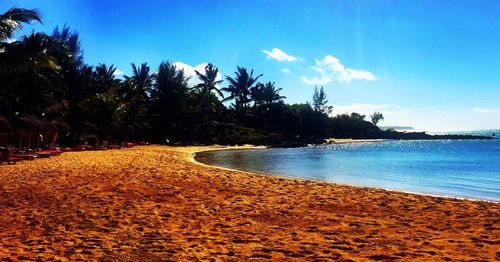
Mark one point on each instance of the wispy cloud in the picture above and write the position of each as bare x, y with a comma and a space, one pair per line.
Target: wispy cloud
189, 71
118, 72
10, 40
278, 55
285, 70
330, 68
486, 110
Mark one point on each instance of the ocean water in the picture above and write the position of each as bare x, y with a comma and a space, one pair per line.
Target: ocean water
454, 168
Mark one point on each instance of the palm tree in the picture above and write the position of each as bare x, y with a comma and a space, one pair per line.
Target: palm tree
266, 94
104, 109
31, 52
134, 90
207, 90
142, 77
169, 93
30, 71
14, 59
104, 78
134, 97
13, 20
239, 88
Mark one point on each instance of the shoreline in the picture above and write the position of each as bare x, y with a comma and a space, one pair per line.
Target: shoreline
245, 147
351, 140
154, 203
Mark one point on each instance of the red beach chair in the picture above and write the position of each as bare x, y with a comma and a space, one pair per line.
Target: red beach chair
52, 152
6, 156
25, 156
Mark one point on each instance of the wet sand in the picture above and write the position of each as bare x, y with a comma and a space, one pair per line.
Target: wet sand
155, 204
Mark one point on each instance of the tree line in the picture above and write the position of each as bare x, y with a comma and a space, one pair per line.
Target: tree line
47, 88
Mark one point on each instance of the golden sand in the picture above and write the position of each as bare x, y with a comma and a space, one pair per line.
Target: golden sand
153, 203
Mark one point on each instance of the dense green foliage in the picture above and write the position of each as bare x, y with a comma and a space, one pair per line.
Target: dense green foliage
47, 88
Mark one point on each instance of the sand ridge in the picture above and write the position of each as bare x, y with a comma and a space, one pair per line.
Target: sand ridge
152, 204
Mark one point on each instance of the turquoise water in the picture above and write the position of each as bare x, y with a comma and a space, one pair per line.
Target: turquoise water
458, 168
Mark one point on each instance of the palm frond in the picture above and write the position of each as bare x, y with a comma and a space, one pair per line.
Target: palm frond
13, 19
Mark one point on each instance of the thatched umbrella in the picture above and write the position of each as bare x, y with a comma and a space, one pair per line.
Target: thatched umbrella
115, 126
146, 126
48, 126
4, 123
61, 126
146, 129
129, 131
54, 128
4, 126
138, 130
113, 130
27, 125
89, 127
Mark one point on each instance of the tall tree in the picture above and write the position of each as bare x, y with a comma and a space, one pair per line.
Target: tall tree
320, 101
263, 94
377, 117
239, 88
67, 48
169, 94
104, 78
134, 91
208, 90
142, 76
33, 73
104, 109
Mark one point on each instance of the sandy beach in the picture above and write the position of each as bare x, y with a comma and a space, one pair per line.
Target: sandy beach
154, 203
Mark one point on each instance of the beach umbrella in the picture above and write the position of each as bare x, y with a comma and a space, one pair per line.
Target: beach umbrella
61, 126
4, 123
88, 126
47, 126
146, 126
28, 123
139, 130
129, 131
115, 126
138, 127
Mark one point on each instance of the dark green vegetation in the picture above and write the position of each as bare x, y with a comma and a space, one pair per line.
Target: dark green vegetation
46, 88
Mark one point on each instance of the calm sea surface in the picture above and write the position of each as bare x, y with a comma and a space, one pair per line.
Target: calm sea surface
459, 168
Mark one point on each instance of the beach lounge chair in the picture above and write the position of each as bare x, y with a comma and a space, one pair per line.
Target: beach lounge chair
76, 148
44, 154
115, 147
52, 152
7, 157
25, 156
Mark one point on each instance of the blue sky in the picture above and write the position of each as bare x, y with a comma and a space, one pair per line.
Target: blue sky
434, 65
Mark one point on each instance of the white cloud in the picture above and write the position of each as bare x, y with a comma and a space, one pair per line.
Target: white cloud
330, 68
118, 72
10, 40
485, 110
285, 70
323, 80
279, 55
189, 71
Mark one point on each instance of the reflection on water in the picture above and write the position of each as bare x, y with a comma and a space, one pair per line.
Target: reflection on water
468, 168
